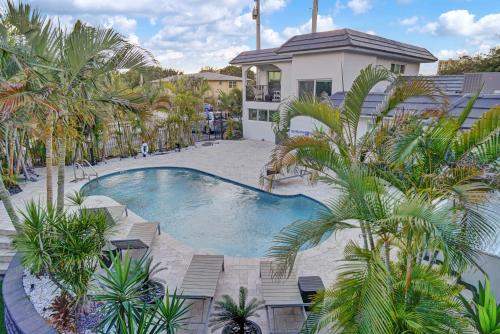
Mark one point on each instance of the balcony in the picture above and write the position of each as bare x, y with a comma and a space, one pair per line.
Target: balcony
263, 93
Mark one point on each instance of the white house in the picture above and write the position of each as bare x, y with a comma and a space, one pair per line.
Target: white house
318, 63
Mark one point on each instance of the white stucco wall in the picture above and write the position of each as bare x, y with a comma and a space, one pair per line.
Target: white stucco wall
341, 67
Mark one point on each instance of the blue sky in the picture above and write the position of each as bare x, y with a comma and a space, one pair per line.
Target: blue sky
188, 34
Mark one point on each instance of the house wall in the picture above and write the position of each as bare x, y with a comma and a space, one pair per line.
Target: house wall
340, 67
223, 85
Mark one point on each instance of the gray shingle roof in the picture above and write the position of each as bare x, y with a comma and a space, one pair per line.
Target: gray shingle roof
210, 76
456, 103
347, 38
448, 84
483, 104
257, 56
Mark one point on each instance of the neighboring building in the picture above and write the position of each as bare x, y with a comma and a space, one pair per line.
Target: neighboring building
444, 65
318, 64
216, 81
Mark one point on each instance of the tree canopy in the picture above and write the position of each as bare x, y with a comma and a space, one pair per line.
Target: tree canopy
489, 62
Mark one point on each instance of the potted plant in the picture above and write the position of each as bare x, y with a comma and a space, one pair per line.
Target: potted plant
153, 289
234, 317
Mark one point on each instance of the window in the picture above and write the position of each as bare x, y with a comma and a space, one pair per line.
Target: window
315, 87
262, 115
272, 115
323, 87
232, 84
252, 114
306, 88
398, 68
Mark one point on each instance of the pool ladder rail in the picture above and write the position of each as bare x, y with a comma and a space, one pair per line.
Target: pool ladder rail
87, 170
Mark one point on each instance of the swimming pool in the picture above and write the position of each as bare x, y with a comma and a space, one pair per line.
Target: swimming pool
204, 211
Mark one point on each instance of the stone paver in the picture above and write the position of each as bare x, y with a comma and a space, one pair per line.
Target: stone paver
240, 161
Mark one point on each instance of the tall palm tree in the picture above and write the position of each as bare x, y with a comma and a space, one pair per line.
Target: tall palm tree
72, 63
14, 96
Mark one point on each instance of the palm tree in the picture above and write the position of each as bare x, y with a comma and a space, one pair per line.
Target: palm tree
368, 298
227, 313
72, 63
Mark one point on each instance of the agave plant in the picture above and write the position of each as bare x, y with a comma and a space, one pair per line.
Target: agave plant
483, 311
230, 314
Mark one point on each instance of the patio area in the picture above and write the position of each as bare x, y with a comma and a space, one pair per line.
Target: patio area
240, 161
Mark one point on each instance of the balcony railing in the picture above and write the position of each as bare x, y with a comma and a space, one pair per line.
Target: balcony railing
263, 93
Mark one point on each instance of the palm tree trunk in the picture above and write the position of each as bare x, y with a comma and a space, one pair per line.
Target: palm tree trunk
48, 164
363, 233
409, 268
61, 144
7, 203
387, 257
370, 236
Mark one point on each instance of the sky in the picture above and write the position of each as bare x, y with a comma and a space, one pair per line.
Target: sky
189, 34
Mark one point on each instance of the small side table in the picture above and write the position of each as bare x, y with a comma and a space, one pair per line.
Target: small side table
309, 286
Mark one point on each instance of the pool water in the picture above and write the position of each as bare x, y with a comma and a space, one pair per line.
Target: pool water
206, 212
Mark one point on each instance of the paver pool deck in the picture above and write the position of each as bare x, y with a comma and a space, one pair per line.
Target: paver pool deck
240, 161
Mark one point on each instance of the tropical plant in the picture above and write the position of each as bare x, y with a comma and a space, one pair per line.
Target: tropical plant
412, 185
122, 292
369, 298
72, 65
63, 313
172, 312
235, 315
482, 310
147, 323
65, 246
76, 198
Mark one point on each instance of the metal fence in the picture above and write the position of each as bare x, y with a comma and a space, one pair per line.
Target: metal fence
124, 140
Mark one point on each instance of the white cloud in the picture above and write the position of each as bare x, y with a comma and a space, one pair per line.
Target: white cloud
324, 23
409, 21
359, 6
133, 38
371, 32
119, 22
187, 34
269, 6
462, 23
448, 54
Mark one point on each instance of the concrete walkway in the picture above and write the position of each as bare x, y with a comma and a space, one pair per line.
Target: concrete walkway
240, 161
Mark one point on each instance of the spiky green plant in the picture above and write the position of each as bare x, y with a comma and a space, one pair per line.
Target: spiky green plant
122, 292
65, 246
76, 198
482, 310
172, 312
228, 312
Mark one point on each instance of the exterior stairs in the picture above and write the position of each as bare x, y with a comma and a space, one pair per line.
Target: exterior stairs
7, 251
